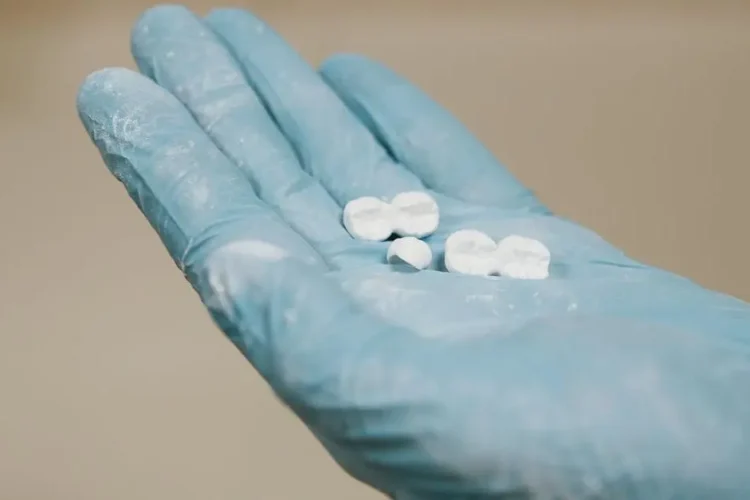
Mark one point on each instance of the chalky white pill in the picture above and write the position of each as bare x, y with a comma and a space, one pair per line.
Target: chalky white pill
416, 214
522, 258
368, 218
412, 213
410, 250
469, 251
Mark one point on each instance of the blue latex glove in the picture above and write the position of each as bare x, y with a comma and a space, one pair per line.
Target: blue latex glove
609, 380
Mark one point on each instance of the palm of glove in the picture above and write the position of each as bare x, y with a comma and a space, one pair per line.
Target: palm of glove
608, 380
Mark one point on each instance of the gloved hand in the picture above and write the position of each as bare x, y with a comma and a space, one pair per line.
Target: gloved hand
609, 380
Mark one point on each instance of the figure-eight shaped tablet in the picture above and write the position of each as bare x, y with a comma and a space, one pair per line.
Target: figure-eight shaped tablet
469, 251
412, 213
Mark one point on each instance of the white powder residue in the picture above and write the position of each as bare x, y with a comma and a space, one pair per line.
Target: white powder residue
232, 267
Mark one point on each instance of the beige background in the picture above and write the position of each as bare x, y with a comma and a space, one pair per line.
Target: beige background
113, 382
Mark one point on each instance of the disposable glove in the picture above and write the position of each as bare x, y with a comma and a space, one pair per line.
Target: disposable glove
609, 380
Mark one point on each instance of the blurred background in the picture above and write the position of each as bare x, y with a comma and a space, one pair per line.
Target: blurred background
631, 119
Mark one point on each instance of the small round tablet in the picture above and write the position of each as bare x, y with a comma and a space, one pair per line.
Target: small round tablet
469, 251
410, 250
416, 214
522, 258
368, 218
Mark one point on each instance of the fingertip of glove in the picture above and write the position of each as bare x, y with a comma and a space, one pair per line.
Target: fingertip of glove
152, 17
348, 68
342, 59
220, 13
101, 82
228, 16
